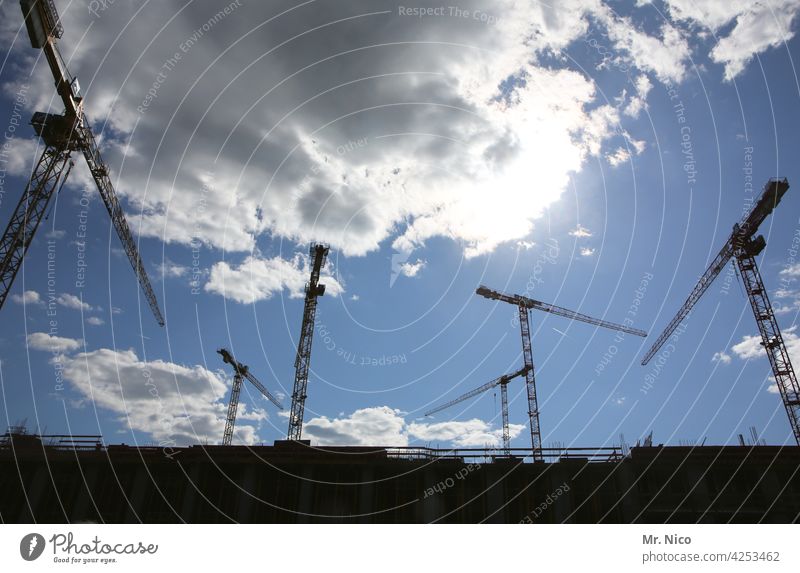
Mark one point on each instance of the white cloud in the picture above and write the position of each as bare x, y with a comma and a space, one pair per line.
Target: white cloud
258, 279
664, 56
638, 146
355, 297
750, 348
72, 301
279, 175
27, 297
787, 300
638, 102
587, 252
721, 357
168, 270
756, 31
619, 156
580, 232
365, 427
710, 13
463, 434
49, 343
412, 269
24, 152
792, 271
173, 403
758, 27
386, 426
95, 321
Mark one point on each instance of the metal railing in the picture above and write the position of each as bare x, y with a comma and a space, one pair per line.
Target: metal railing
488, 455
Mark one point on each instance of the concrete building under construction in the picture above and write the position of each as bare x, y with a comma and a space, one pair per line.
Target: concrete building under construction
79, 479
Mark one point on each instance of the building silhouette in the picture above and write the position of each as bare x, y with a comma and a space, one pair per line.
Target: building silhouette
57, 479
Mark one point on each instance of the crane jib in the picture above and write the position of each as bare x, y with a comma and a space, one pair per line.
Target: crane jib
773, 192
500, 380
554, 309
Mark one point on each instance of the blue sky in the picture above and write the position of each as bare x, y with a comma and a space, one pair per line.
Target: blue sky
584, 155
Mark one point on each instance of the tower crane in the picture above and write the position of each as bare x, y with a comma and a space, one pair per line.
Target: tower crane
502, 381
525, 305
744, 247
62, 135
302, 362
240, 372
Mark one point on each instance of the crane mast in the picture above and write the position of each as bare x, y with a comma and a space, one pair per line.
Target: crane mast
240, 372
524, 306
504, 410
233, 406
771, 339
744, 247
530, 384
302, 363
28, 214
61, 135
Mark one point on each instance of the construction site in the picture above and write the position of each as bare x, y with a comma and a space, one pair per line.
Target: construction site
77, 479
84, 479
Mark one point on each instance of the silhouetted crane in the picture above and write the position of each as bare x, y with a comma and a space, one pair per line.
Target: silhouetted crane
61, 135
525, 305
502, 381
240, 371
302, 361
743, 247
